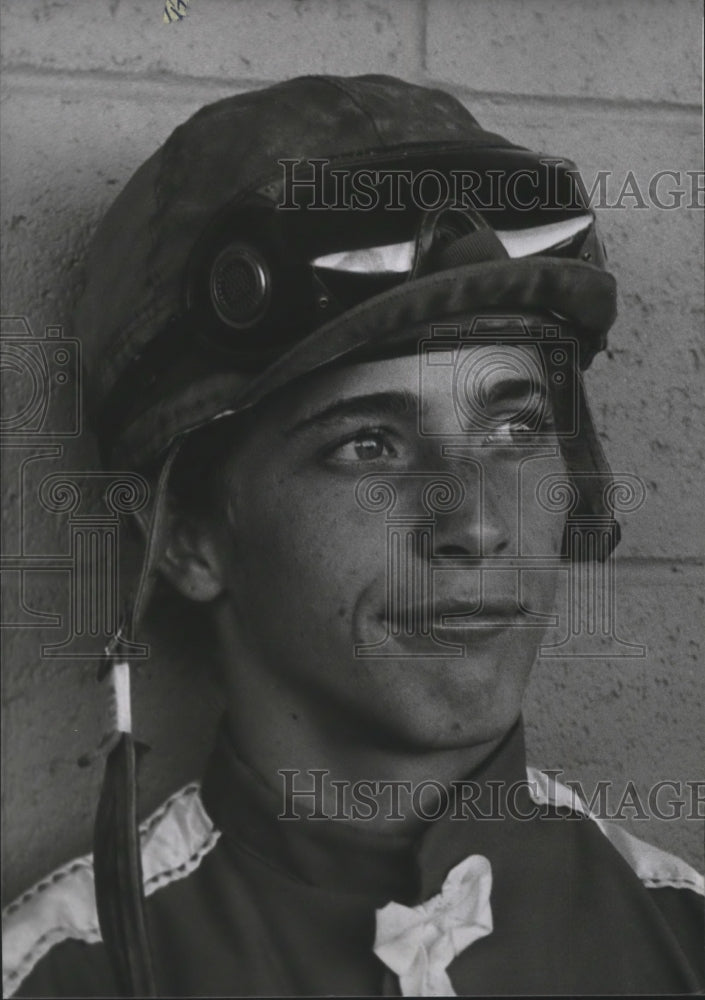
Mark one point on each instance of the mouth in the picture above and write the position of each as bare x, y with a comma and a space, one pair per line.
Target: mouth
454, 618
490, 614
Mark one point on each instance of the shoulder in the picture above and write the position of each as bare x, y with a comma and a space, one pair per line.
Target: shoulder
62, 906
654, 867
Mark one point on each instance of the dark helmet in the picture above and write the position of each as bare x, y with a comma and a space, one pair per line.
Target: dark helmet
237, 257
309, 223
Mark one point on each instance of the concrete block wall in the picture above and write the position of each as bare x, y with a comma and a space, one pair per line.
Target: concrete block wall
91, 87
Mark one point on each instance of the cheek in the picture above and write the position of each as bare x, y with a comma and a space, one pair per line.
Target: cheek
308, 543
540, 526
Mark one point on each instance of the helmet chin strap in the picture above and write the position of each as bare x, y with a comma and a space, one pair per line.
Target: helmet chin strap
117, 860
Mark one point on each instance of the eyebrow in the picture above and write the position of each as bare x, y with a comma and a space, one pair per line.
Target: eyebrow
395, 403
376, 404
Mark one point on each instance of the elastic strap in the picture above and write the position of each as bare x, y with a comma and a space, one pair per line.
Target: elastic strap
117, 860
156, 537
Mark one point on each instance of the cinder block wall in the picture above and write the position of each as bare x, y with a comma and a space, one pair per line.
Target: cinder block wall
91, 87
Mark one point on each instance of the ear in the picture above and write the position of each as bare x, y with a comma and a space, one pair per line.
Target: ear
190, 560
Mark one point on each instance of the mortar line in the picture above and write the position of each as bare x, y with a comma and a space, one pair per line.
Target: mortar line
22, 72
423, 35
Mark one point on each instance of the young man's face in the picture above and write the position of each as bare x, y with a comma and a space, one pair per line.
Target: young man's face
337, 588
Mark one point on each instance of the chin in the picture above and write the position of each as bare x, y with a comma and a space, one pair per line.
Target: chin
454, 733
449, 718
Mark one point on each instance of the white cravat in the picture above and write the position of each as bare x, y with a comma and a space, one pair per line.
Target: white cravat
420, 942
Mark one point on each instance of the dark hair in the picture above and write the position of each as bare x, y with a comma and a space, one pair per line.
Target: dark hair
197, 481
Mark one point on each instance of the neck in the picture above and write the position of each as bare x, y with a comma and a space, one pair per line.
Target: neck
323, 764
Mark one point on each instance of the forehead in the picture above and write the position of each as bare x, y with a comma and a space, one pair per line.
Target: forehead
432, 379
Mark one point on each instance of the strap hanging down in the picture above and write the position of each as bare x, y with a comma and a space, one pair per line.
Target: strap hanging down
117, 860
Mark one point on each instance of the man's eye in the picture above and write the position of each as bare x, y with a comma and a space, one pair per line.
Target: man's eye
367, 446
511, 432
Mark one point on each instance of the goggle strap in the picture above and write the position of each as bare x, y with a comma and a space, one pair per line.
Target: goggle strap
117, 867
117, 858
155, 541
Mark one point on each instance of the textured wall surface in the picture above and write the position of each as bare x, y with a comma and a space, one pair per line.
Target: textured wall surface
91, 87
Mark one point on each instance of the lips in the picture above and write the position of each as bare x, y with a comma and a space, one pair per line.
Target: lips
455, 611
453, 615
496, 612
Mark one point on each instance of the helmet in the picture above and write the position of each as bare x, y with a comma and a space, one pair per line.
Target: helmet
286, 229
238, 257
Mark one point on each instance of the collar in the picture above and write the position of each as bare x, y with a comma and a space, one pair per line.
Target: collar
349, 857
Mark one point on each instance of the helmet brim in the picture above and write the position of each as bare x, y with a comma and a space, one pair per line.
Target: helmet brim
580, 293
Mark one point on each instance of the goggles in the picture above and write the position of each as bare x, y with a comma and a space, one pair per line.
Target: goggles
272, 268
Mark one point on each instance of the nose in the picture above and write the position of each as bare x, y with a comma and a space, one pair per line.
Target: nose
484, 524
